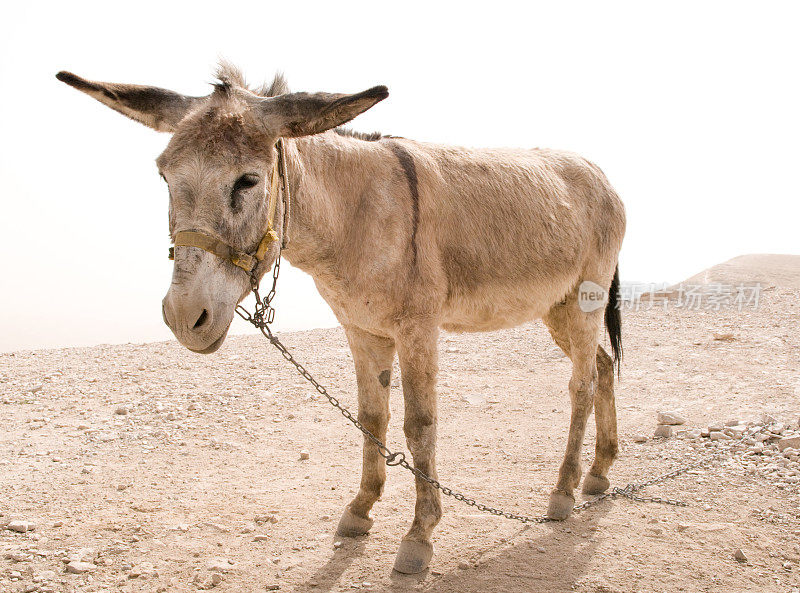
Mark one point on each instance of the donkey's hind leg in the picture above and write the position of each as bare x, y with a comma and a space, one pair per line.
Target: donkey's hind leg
373, 357
605, 416
576, 332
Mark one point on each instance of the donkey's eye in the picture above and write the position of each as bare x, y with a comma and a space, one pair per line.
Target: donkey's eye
245, 182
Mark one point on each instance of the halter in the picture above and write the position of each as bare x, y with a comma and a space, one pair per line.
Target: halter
241, 259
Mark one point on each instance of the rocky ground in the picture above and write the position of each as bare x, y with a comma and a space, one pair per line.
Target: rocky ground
148, 468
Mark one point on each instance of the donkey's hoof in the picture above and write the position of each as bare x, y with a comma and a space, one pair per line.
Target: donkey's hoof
413, 556
560, 505
593, 484
351, 525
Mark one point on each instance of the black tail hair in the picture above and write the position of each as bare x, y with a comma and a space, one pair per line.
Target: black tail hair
614, 320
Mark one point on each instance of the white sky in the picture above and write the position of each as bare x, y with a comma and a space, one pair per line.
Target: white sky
691, 108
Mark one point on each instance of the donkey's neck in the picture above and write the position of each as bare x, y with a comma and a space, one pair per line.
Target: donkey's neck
326, 183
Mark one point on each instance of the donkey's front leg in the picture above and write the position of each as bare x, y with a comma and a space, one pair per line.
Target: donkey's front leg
417, 352
373, 357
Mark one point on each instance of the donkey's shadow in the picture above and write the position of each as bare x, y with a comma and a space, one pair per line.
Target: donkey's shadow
519, 565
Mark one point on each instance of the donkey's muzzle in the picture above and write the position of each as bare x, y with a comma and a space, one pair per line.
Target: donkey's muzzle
197, 323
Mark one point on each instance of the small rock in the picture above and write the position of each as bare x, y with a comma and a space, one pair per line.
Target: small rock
639, 438
249, 527
337, 544
786, 442
266, 518
274, 587
145, 569
76, 567
670, 418
695, 433
663, 431
739, 555
121, 410
736, 431
216, 579
21, 526
220, 565
261, 538
719, 436
304, 455
464, 565
723, 337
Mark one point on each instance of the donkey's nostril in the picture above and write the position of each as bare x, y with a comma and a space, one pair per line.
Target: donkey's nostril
201, 320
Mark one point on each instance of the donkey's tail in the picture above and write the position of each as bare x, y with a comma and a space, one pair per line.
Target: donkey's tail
614, 320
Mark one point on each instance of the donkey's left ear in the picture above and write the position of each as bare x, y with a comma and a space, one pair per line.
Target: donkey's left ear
157, 108
303, 114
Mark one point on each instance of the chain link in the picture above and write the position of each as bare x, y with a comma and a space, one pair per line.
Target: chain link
264, 314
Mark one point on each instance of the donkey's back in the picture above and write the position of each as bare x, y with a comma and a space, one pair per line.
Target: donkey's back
515, 230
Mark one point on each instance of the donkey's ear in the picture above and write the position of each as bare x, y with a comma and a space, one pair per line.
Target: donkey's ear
303, 114
154, 107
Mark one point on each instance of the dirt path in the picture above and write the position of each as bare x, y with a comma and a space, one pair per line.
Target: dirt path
199, 474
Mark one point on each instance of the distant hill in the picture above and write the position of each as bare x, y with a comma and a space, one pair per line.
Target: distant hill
768, 270
780, 271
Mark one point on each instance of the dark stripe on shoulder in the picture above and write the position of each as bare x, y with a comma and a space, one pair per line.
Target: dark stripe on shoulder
410, 170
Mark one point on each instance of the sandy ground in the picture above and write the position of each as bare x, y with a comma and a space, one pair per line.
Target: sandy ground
203, 475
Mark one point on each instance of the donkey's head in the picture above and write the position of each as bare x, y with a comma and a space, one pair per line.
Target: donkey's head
218, 165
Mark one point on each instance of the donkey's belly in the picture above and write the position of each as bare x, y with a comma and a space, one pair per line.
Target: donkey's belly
501, 306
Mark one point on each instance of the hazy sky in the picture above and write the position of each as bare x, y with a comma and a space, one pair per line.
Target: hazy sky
691, 109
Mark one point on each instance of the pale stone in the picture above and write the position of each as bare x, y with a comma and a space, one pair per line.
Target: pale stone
21, 526
663, 431
786, 442
76, 567
670, 418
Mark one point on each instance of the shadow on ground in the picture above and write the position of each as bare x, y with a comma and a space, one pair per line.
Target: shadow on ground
549, 558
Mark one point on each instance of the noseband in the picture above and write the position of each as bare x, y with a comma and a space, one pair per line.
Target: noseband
241, 259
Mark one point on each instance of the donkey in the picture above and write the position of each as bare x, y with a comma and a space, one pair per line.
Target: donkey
402, 238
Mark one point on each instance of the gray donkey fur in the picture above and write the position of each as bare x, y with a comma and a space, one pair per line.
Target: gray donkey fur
402, 238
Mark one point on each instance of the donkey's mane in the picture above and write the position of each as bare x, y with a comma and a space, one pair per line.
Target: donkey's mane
368, 136
229, 76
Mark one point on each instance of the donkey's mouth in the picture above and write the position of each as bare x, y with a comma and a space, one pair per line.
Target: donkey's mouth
215, 345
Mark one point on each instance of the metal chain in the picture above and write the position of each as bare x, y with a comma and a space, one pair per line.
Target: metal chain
264, 314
